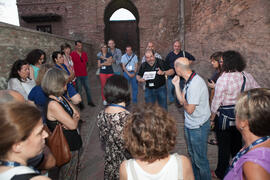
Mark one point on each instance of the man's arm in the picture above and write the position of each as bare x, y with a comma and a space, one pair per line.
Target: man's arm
189, 108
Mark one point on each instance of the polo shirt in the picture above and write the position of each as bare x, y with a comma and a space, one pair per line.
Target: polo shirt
79, 63
131, 65
197, 93
159, 80
106, 69
171, 57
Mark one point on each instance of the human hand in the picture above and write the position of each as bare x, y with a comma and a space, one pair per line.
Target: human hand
76, 116
176, 81
141, 80
211, 84
131, 75
160, 72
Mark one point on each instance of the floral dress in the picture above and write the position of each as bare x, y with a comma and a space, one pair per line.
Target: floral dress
111, 136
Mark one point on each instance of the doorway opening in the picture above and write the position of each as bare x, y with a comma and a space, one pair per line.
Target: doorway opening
121, 24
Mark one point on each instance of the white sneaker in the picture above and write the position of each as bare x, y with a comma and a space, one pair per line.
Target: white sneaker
105, 103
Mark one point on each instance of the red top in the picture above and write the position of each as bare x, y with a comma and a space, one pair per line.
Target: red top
79, 63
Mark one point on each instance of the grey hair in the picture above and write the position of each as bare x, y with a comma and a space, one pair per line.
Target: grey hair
182, 66
54, 81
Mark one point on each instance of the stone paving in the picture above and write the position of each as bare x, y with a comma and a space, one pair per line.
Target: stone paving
92, 154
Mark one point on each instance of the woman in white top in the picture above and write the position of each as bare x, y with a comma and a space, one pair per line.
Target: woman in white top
19, 78
150, 136
22, 137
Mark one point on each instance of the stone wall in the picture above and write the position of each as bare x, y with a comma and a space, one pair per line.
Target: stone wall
242, 25
16, 42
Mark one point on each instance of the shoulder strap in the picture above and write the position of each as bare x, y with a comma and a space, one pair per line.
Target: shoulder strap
130, 60
16, 171
244, 82
132, 169
180, 167
184, 54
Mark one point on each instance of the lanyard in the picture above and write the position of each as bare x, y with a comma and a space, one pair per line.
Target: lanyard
188, 82
241, 153
64, 103
117, 105
15, 164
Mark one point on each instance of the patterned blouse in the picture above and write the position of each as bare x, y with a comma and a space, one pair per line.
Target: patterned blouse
111, 130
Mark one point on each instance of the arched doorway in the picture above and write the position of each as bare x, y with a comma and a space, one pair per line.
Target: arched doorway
124, 32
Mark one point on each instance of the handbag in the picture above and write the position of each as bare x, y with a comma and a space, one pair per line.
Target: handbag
226, 118
58, 145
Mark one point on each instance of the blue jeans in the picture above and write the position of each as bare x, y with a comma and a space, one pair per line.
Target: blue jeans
170, 90
83, 81
134, 86
156, 95
197, 149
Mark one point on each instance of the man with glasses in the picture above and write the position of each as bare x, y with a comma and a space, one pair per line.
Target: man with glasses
80, 60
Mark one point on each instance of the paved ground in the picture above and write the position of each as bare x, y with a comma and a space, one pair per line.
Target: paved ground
92, 155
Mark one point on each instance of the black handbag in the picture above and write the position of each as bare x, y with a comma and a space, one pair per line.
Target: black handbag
226, 118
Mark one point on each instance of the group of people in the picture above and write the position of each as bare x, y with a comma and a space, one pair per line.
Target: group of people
137, 137
41, 96
138, 144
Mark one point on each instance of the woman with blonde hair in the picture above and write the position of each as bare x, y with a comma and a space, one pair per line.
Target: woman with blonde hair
106, 70
253, 122
22, 137
150, 136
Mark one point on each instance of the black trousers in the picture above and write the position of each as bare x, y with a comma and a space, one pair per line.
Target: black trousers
229, 144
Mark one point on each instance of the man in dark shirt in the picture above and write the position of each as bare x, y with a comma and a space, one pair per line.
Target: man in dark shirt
153, 72
171, 57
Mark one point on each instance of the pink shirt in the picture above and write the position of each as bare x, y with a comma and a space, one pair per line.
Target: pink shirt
228, 87
79, 63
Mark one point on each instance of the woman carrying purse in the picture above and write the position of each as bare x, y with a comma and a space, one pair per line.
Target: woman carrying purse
60, 111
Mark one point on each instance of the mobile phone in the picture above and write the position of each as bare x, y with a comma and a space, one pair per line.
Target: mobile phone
209, 80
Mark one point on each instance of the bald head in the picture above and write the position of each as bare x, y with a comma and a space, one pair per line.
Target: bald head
183, 63
10, 96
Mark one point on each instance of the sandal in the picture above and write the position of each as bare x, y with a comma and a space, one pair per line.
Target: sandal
213, 142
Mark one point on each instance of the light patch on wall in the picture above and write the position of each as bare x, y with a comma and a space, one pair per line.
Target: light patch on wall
9, 12
122, 15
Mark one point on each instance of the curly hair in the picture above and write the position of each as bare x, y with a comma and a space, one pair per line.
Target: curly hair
34, 56
233, 61
150, 133
254, 105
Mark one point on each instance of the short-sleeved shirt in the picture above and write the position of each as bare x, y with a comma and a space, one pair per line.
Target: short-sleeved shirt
106, 69
23, 87
197, 93
131, 65
171, 57
38, 96
79, 63
159, 79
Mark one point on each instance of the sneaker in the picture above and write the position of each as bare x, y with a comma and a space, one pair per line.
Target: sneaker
105, 103
91, 104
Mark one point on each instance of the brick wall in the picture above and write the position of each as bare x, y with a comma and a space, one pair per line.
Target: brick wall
16, 42
230, 25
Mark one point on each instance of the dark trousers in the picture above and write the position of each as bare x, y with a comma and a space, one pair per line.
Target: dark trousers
229, 144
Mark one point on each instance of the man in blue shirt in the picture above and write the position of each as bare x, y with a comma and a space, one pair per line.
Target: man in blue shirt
130, 65
170, 59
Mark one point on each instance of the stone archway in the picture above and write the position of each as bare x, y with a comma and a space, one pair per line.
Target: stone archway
123, 32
